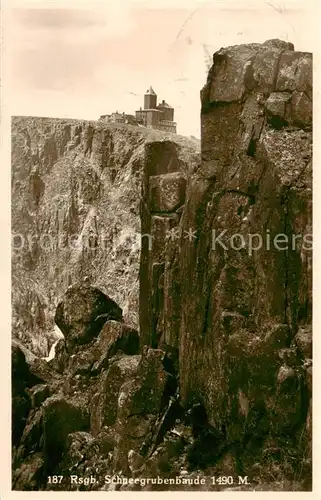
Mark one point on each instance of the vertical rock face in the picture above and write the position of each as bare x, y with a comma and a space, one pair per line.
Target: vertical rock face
168, 165
239, 306
233, 288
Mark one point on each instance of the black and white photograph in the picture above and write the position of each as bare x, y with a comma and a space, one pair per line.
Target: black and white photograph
161, 245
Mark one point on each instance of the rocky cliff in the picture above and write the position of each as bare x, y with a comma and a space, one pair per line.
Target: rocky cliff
232, 291
217, 382
76, 190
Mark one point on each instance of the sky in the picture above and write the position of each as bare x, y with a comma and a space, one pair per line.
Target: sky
82, 59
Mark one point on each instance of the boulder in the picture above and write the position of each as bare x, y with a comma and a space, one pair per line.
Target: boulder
149, 392
301, 110
295, 72
77, 445
90, 359
107, 440
104, 407
276, 107
83, 312
114, 337
60, 418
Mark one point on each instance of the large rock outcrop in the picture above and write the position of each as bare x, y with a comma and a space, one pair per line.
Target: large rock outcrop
231, 290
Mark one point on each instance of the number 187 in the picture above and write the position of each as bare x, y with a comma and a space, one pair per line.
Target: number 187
55, 479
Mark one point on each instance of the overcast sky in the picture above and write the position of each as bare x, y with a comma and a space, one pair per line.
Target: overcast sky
83, 58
